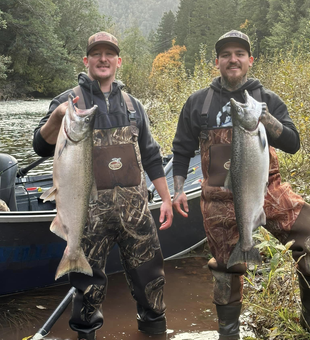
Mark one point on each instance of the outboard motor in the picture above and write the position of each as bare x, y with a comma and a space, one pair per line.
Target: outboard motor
8, 170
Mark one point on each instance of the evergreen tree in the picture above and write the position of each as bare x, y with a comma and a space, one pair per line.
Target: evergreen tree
287, 29
165, 33
46, 42
136, 62
183, 18
253, 21
222, 17
198, 32
73, 34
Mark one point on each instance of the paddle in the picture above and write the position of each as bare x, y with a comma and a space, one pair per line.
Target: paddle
42, 332
23, 171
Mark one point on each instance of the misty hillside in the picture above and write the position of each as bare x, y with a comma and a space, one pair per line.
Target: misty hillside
146, 14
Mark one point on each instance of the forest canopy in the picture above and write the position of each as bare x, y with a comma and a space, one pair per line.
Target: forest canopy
43, 42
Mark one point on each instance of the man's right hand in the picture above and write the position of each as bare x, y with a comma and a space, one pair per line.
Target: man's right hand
49, 131
180, 198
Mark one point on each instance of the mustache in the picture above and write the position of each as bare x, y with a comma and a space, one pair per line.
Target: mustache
234, 64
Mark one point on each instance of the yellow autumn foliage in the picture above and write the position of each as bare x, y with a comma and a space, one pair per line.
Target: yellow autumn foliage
169, 59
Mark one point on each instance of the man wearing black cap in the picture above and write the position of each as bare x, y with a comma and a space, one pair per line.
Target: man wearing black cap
205, 123
123, 149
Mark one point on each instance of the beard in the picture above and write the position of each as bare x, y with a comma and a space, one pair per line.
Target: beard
233, 82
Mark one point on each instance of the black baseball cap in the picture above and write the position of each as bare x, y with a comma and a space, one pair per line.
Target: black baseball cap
233, 36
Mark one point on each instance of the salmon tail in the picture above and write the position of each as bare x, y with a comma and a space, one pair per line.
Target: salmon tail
78, 265
253, 256
238, 256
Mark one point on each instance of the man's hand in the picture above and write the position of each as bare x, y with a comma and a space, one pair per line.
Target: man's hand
166, 215
60, 111
180, 198
49, 131
166, 211
272, 125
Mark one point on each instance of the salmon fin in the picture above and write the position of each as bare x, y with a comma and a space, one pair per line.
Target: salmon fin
227, 183
266, 188
261, 220
62, 146
79, 265
262, 138
57, 228
238, 256
49, 195
94, 193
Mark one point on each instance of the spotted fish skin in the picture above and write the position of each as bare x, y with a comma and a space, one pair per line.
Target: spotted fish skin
248, 176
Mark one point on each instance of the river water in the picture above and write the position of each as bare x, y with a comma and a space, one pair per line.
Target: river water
18, 119
191, 315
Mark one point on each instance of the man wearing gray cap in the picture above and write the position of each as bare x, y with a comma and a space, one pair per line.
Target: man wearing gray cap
205, 123
123, 149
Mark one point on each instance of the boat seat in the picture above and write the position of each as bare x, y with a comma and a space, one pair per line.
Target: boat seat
8, 170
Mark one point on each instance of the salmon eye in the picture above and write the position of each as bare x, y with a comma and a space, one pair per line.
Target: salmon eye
87, 119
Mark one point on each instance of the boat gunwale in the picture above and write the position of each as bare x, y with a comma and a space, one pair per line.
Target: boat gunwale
48, 215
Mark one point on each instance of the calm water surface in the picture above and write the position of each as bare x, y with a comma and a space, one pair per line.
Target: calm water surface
17, 122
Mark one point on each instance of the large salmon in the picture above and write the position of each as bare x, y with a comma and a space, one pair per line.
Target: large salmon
73, 186
248, 176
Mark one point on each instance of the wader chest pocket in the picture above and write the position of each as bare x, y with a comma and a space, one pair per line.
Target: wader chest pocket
219, 162
116, 165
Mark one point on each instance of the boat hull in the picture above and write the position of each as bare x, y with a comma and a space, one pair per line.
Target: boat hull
30, 252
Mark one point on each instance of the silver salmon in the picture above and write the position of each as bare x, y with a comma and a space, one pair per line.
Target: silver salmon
73, 186
248, 176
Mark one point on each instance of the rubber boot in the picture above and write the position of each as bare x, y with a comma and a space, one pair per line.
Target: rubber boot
228, 316
85, 336
150, 322
304, 286
147, 283
89, 303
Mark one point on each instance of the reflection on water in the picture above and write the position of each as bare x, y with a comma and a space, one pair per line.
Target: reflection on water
18, 119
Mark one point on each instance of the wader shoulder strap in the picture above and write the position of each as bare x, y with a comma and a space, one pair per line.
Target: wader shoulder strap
207, 102
205, 109
130, 108
78, 92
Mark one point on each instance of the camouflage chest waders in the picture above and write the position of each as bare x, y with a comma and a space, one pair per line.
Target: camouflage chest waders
120, 216
288, 217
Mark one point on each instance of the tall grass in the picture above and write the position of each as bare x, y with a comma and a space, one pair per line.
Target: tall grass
271, 299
